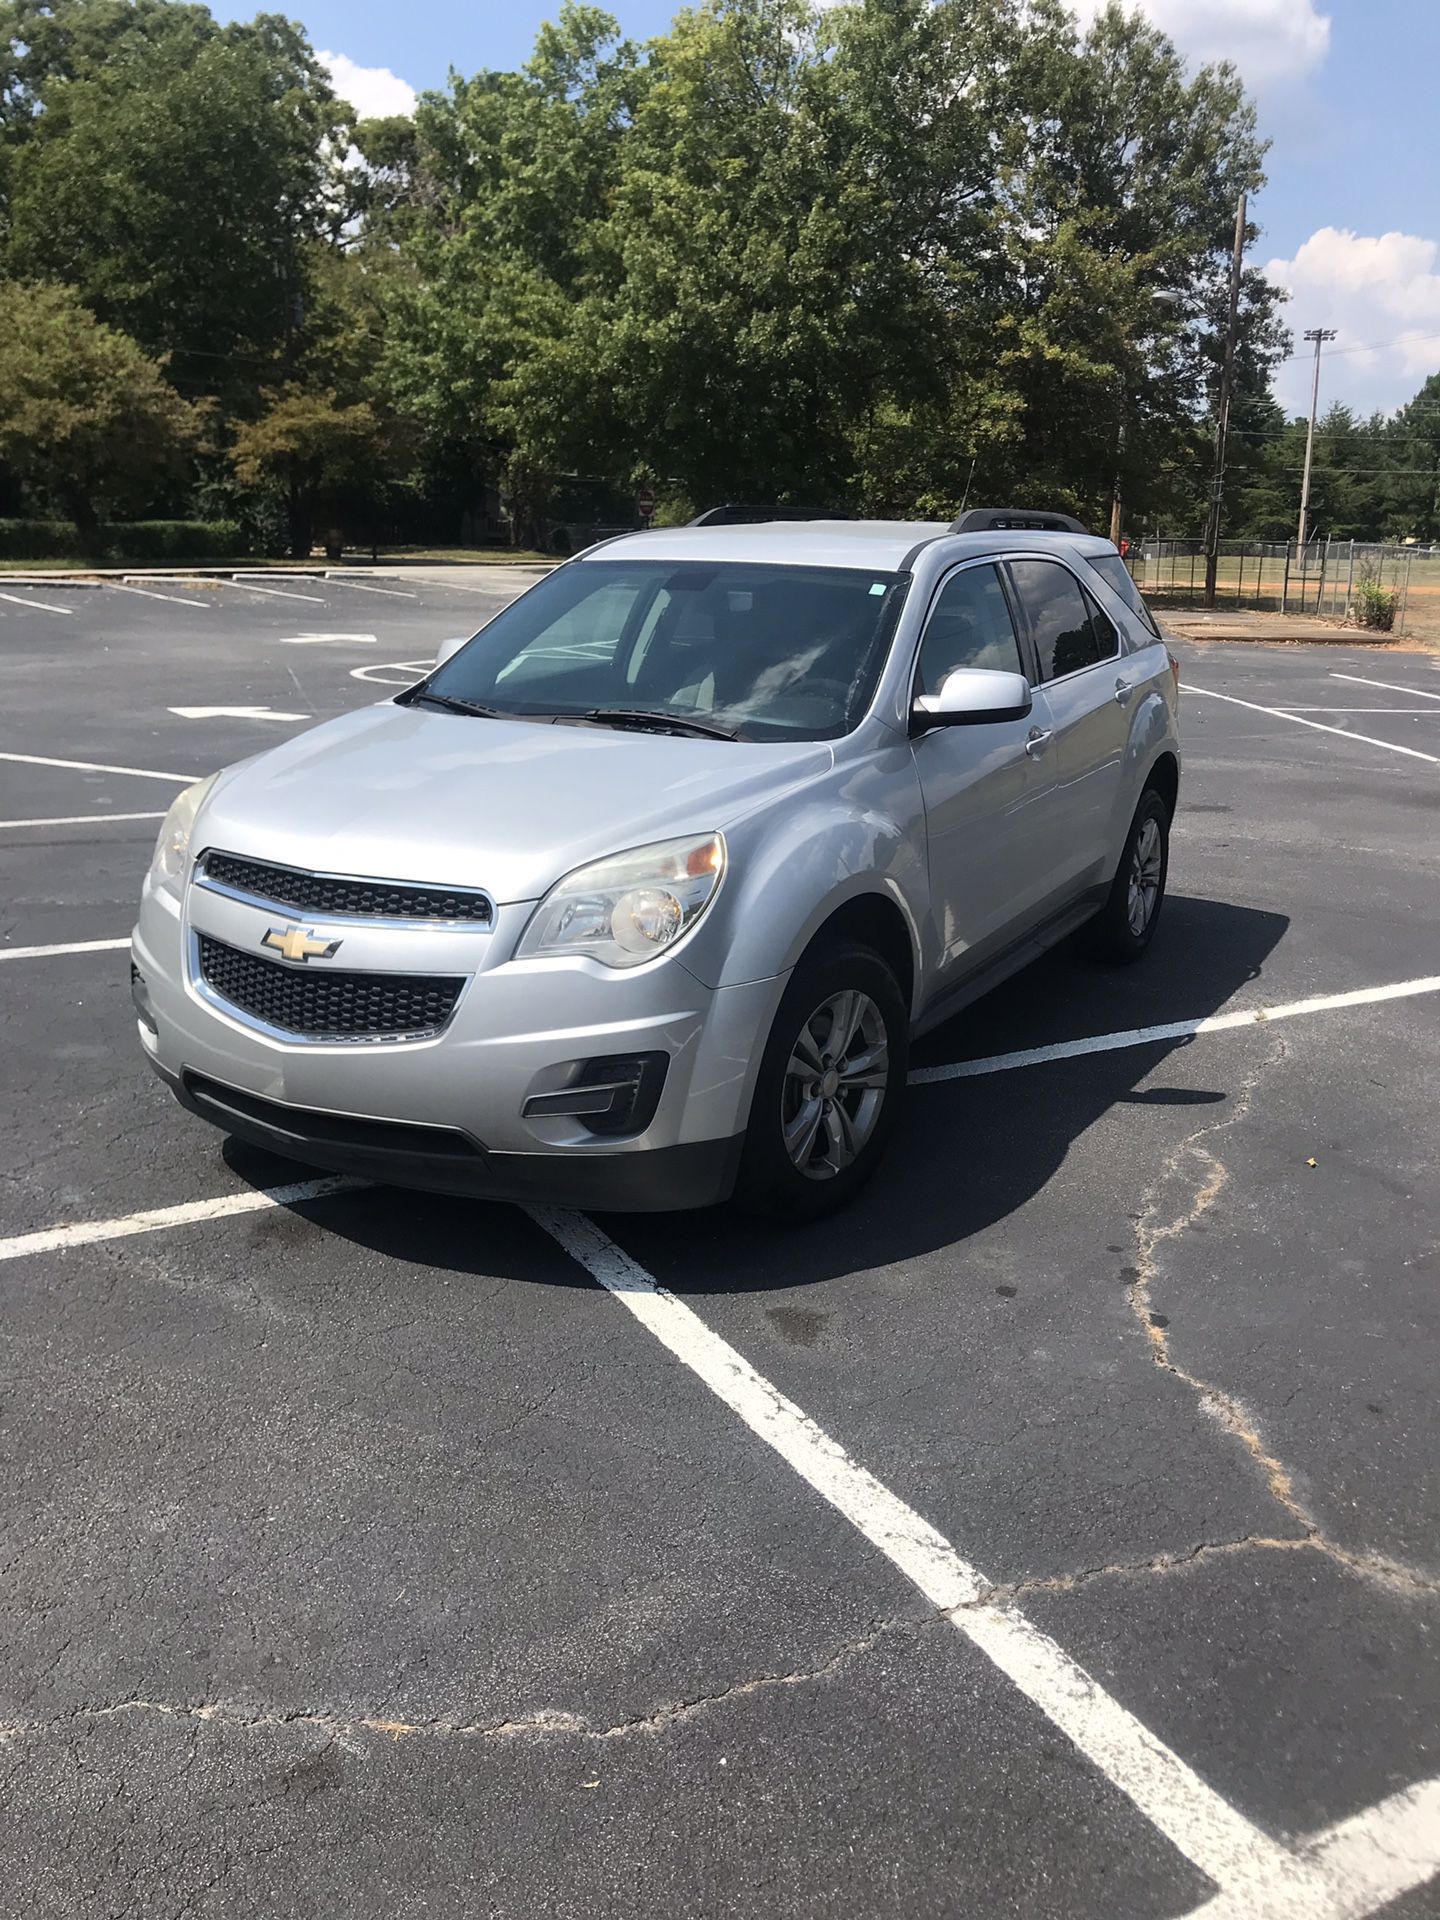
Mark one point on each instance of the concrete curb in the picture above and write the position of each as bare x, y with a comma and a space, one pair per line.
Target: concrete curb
94, 577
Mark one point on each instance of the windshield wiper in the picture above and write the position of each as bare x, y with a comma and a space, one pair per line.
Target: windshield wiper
658, 722
452, 704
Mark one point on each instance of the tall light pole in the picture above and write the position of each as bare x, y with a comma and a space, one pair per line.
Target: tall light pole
1319, 335
1222, 411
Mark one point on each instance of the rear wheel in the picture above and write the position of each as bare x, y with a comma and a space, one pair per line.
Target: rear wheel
828, 1086
1125, 925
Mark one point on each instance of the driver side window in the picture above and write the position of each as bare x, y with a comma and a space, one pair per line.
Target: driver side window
970, 626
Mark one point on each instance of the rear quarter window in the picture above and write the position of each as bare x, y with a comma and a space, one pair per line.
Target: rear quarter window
1116, 575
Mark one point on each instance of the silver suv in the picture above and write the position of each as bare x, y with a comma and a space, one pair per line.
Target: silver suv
639, 898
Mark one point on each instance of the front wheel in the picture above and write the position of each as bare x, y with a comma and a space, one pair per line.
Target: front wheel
1125, 925
828, 1086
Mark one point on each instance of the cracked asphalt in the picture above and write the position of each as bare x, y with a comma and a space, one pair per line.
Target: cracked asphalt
363, 1556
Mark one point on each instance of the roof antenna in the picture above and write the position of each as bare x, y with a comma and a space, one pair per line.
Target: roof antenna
966, 495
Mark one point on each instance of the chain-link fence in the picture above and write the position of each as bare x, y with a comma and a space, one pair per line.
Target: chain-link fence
1324, 577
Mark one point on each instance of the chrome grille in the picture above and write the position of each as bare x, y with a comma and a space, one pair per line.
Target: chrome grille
331, 895
328, 1005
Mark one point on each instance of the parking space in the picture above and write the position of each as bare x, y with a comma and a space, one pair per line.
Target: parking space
1055, 1533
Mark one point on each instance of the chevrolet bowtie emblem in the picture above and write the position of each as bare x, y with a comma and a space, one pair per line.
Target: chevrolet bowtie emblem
299, 943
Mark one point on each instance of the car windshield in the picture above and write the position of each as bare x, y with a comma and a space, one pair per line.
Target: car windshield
730, 649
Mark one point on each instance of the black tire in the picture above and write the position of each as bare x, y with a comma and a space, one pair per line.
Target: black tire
1113, 934
770, 1181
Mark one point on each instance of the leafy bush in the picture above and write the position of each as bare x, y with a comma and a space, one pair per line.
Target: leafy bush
155, 540
39, 540
176, 540
1374, 606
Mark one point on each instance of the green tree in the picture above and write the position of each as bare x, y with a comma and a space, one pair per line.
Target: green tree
872, 257
795, 240
178, 173
493, 203
86, 419
1128, 190
1408, 447
1262, 483
311, 444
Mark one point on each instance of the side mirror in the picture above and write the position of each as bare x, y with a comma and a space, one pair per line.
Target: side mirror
447, 648
973, 697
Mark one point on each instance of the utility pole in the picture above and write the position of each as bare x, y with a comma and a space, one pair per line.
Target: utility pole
1319, 335
1116, 502
1222, 411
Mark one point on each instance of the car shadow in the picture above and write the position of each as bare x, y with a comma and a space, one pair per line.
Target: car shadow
966, 1154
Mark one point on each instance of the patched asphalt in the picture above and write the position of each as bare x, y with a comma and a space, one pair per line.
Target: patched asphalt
363, 1556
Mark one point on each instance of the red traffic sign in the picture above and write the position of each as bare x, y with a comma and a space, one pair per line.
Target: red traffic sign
645, 504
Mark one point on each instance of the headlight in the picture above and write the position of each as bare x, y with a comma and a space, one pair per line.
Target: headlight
172, 849
627, 909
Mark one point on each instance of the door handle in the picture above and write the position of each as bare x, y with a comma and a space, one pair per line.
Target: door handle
1036, 741
1123, 691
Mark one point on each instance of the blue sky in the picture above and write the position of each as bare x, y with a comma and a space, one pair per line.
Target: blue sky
1347, 93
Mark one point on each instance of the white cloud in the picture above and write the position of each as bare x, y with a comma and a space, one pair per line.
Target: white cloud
1268, 40
1381, 293
374, 92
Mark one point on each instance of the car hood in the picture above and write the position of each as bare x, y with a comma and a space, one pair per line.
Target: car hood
402, 793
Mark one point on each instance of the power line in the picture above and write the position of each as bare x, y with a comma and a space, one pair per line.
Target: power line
1378, 346
1359, 431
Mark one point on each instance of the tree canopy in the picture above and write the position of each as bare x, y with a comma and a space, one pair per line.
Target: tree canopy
880, 257
84, 415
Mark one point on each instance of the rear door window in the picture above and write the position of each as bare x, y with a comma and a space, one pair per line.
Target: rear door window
1069, 630
1116, 575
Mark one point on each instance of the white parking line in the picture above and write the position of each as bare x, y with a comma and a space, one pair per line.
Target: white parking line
1434, 712
95, 766
1351, 1871
1172, 1030
460, 586
88, 1233
1356, 1867
330, 640
1220, 1841
148, 593
408, 670
49, 953
1390, 686
364, 586
1345, 733
276, 593
234, 713
1348, 1872
80, 819
43, 605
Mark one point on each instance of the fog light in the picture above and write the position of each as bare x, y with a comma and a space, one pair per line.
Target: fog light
615, 1094
140, 994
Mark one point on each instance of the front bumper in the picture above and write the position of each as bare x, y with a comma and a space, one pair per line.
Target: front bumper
448, 1112
697, 1173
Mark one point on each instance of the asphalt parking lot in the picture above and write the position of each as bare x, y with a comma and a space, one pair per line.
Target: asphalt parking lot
1056, 1533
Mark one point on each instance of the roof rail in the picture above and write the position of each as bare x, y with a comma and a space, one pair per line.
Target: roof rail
757, 516
1017, 520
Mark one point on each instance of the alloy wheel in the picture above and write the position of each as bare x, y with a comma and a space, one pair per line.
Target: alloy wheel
1144, 888
834, 1085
